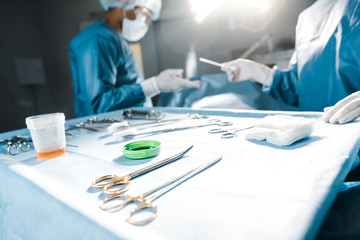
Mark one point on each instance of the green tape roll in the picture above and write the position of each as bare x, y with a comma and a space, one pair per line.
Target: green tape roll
141, 149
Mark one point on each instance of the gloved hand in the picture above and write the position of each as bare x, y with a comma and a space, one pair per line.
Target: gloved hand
344, 111
167, 81
243, 69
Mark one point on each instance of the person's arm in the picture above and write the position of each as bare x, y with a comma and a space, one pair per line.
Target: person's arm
284, 85
105, 92
280, 84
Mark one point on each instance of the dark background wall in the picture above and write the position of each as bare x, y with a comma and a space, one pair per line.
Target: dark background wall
43, 29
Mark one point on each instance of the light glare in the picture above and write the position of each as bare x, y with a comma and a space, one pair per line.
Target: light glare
202, 8
262, 5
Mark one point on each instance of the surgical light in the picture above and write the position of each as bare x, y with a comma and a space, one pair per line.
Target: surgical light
262, 5
202, 8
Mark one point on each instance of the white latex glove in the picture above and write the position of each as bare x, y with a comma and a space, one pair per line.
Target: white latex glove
243, 69
167, 81
281, 130
344, 111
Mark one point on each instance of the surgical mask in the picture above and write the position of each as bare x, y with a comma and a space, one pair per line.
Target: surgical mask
134, 30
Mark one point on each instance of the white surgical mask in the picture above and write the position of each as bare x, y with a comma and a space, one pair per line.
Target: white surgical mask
134, 30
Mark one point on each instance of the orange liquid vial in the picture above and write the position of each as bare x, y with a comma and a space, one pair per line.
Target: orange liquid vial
51, 154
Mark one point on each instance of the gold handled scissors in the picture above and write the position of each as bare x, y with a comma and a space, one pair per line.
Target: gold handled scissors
125, 180
228, 133
145, 198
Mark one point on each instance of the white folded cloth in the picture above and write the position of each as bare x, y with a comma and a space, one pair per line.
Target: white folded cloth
281, 130
118, 126
119, 135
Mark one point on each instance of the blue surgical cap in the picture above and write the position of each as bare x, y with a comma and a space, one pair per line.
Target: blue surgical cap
153, 5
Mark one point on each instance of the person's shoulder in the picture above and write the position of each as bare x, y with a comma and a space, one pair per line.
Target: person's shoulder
98, 31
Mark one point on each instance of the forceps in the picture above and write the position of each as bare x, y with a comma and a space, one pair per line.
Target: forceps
228, 133
188, 116
146, 200
125, 180
211, 122
12, 148
94, 124
126, 125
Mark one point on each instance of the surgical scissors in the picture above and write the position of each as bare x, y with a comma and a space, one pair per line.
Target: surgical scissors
125, 180
228, 133
147, 200
211, 122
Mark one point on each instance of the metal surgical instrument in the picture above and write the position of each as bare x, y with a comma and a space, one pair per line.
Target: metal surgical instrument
95, 124
145, 198
210, 62
17, 143
211, 122
188, 116
228, 133
143, 115
125, 180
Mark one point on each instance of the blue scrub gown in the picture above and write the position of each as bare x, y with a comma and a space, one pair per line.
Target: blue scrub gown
105, 73
324, 69
325, 66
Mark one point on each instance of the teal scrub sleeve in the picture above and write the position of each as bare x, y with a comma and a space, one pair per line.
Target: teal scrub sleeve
105, 91
284, 86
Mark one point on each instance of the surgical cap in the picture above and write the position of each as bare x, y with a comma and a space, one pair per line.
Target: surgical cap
152, 5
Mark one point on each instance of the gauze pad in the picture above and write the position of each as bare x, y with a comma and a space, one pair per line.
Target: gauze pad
281, 130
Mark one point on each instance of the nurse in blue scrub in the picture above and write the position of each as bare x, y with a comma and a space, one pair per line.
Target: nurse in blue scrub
105, 73
324, 71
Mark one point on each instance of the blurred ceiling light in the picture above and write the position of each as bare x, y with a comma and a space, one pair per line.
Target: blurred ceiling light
252, 15
202, 8
262, 5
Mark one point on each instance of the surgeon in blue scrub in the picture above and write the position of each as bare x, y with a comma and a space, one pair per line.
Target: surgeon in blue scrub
105, 73
325, 66
324, 71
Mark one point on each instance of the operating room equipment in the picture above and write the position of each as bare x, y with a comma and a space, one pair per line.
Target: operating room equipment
211, 62
229, 69
119, 136
147, 200
228, 133
125, 180
143, 115
95, 124
264, 39
14, 144
187, 116
123, 125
